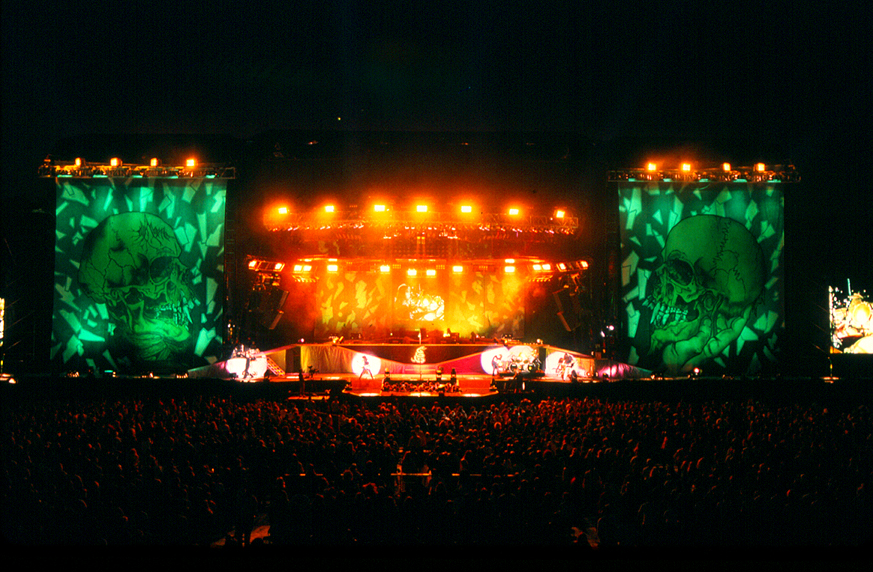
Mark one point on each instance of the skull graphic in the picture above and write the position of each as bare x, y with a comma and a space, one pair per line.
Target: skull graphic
130, 262
703, 294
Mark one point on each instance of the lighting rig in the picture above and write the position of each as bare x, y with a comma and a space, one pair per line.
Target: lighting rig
116, 168
687, 172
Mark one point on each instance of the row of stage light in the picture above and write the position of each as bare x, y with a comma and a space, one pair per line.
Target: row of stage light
419, 216
79, 168
332, 265
687, 172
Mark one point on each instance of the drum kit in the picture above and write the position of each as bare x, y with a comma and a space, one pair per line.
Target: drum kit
521, 363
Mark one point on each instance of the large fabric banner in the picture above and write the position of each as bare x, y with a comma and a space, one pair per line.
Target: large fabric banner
139, 274
702, 275
487, 304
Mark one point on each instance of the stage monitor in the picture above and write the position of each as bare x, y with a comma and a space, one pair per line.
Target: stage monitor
139, 274
702, 275
851, 320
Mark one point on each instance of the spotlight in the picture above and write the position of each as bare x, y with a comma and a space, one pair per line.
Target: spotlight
155, 162
379, 208
384, 269
513, 212
759, 167
651, 167
191, 163
411, 272
686, 167
328, 208
559, 214
283, 210
421, 208
466, 209
79, 162
457, 269
509, 269
115, 162
431, 272
726, 167
332, 268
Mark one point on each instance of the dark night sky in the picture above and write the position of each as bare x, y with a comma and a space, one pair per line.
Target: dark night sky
782, 82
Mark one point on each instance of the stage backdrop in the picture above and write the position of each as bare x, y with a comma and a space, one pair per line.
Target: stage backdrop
376, 305
139, 274
702, 276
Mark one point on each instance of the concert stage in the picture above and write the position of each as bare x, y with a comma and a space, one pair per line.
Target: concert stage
446, 370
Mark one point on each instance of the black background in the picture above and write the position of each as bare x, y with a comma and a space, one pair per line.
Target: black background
776, 82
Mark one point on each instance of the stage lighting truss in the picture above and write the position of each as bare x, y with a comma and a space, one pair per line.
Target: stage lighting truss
449, 225
115, 168
533, 270
686, 173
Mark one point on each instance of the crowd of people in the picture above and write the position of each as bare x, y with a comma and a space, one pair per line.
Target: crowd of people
575, 472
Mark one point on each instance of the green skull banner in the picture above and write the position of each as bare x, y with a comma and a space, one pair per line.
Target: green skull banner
139, 266
701, 280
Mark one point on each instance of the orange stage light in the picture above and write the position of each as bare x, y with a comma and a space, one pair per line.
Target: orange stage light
328, 208
283, 210
466, 209
726, 166
191, 162
559, 214
421, 208
115, 162
651, 167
